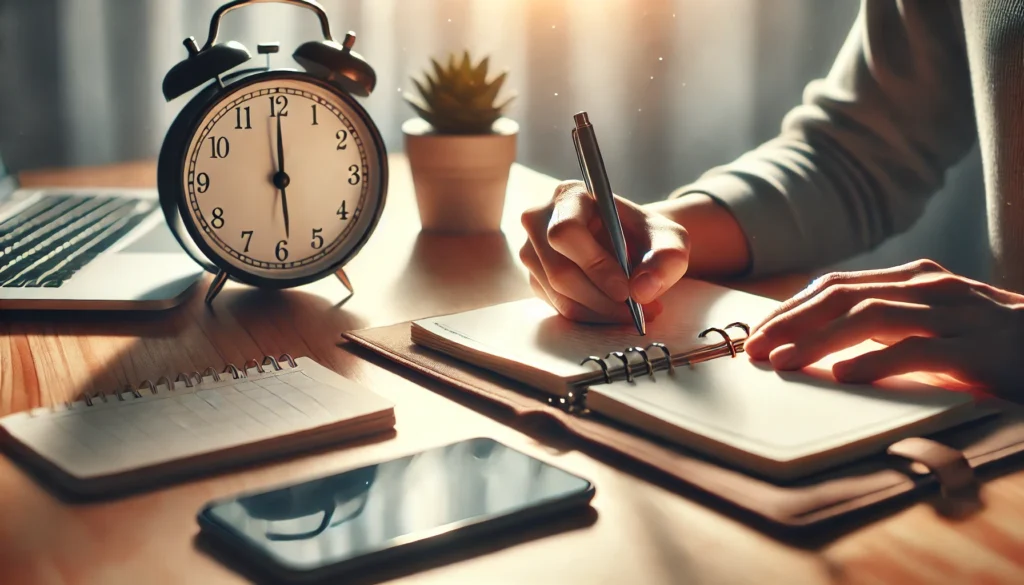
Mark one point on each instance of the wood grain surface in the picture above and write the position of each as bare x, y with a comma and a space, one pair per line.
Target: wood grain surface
641, 532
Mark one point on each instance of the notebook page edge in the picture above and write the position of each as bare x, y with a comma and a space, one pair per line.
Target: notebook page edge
788, 453
774, 460
26, 444
678, 328
780, 470
167, 472
427, 334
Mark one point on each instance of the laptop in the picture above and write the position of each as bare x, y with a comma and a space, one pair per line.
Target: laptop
88, 249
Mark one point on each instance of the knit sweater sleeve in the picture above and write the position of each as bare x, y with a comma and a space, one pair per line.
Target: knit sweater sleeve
856, 162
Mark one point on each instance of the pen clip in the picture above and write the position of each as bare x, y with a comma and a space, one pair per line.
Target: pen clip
583, 164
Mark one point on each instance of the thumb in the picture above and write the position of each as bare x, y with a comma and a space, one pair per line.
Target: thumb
663, 265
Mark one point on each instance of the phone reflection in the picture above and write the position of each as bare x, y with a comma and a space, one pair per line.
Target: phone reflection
346, 516
335, 500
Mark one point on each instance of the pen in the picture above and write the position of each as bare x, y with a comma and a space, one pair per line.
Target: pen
596, 179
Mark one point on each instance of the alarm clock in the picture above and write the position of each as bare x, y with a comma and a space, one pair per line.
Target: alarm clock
272, 177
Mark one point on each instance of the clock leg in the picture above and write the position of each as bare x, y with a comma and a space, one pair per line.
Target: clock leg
215, 286
344, 279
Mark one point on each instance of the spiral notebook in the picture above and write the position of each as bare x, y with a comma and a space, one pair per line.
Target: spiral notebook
156, 431
688, 381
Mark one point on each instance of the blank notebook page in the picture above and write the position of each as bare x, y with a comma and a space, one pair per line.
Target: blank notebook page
116, 436
778, 416
530, 332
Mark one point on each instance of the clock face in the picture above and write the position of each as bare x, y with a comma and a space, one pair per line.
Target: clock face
283, 178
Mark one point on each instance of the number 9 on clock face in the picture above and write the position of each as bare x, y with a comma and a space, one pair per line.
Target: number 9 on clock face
283, 179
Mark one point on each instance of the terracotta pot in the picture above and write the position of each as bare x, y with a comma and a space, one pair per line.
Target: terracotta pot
460, 180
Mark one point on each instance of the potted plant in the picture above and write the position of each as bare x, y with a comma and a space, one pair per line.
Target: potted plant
461, 147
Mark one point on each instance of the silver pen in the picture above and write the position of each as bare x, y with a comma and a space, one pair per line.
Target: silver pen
596, 178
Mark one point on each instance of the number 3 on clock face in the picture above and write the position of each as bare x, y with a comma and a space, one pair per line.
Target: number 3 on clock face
282, 178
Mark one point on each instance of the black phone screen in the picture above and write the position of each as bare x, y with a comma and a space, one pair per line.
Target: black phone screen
341, 518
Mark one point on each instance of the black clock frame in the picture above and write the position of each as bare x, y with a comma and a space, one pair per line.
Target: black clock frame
173, 158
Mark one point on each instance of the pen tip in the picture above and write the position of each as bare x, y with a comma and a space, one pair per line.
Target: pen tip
581, 119
638, 317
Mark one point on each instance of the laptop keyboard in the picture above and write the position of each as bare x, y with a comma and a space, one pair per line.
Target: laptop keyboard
46, 243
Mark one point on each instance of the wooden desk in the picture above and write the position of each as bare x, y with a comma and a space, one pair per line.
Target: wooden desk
642, 534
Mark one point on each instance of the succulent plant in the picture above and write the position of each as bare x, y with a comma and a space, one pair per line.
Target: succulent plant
459, 99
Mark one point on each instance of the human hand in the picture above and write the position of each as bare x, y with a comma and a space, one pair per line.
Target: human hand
571, 266
929, 319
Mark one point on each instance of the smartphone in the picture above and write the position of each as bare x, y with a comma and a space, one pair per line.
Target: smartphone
357, 519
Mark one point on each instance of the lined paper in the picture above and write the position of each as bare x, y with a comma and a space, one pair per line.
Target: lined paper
115, 435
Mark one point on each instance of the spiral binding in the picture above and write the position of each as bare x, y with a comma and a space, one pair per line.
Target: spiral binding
575, 400
187, 379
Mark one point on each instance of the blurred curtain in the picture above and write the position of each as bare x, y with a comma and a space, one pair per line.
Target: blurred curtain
676, 86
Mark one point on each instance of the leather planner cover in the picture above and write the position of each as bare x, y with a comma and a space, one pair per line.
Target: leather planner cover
945, 467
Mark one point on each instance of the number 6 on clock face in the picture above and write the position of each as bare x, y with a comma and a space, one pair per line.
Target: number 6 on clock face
283, 178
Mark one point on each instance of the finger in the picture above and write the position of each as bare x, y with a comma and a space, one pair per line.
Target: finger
913, 354
528, 256
789, 325
529, 259
569, 234
822, 284
884, 339
663, 265
576, 312
566, 308
869, 319
569, 308
562, 276
538, 290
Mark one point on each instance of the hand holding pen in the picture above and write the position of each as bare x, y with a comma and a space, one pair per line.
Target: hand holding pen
574, 267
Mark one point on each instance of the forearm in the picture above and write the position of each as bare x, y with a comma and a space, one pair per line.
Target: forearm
854, 164
718, 247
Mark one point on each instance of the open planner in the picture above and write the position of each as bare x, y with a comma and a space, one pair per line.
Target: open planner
688, 382
107, 443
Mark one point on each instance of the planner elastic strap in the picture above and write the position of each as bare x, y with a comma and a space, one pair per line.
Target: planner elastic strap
957, 482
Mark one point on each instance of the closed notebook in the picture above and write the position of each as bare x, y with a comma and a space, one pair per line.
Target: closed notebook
713, 399
108, 443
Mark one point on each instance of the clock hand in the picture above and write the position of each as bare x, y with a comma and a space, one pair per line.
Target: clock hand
281, 179
280, 147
